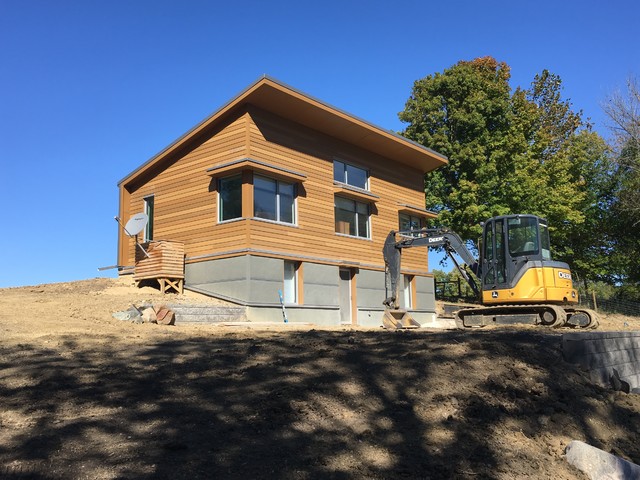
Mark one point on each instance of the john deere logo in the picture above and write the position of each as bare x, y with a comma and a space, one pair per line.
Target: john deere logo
564, 275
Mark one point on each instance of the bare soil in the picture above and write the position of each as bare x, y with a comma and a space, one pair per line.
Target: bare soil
85, 396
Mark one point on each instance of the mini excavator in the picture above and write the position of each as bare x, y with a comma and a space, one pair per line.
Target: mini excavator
519, 281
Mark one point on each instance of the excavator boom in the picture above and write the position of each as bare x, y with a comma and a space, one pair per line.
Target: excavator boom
426, 237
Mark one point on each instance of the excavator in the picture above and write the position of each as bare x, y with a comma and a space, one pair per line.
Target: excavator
519, 282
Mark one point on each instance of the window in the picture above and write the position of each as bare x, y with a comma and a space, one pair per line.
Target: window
352, 218
290, 282
354, 176
148, 209
230, 198
409, 222
273, 200
407, 291
523, 236
544, 240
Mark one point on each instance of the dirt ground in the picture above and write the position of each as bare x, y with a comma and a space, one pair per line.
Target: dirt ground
85, 396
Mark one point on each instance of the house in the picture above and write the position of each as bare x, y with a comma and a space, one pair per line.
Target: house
279, 191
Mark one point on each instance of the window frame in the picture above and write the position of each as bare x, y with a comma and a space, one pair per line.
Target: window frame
149, 210
355, 218
344, 177
278, 200
421, 222
220, 200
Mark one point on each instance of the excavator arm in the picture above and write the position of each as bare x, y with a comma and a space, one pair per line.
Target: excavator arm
431, 237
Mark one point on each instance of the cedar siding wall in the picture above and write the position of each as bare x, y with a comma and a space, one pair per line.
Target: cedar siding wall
279, 142
185, 196
185, 199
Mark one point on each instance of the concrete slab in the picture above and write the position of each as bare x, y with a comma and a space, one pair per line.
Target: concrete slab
598, 464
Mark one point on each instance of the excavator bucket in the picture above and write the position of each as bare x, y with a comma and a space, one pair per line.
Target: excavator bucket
397, 319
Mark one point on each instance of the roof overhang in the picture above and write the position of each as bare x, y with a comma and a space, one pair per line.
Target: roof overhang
276, 97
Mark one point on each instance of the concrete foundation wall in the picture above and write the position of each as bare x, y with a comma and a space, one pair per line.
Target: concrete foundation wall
321, 285
266, 277
370, 289
316, 316
425, 294
227, 277
254, 281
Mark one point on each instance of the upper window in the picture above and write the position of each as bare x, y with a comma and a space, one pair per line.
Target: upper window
410, 222
350, 175
352, 218
230, 195
273, 200
149, 210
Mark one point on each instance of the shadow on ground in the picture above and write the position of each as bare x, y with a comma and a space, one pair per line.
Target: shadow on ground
316, 404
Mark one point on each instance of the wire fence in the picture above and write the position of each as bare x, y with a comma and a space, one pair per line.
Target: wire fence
456, 291
611, 305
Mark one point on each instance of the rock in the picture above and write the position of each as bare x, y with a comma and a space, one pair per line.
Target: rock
164, 316
598, 464
618, 384
130, 315
149, 315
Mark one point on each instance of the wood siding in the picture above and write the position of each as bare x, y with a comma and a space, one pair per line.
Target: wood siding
186, 198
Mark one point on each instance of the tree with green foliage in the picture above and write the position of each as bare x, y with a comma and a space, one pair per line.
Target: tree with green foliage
463, 113
524, 151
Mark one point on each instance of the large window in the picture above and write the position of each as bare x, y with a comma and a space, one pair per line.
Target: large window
273, 200
352, 218
230, 195
350, 175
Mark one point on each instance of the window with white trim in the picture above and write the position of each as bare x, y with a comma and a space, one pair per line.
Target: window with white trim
273, 200
352, 218
350, 175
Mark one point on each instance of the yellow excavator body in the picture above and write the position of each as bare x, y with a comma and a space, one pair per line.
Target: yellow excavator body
537, 285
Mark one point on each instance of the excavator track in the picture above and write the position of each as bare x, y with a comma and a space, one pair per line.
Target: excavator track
554, 316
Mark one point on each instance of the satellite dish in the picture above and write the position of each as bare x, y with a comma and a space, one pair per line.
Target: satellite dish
136, 224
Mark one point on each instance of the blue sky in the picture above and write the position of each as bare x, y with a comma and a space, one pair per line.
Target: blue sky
90, 90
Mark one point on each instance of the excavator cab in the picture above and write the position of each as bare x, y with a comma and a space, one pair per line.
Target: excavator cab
516, 264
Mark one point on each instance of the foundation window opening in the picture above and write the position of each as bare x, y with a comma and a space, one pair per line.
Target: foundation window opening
290, 287
407, 291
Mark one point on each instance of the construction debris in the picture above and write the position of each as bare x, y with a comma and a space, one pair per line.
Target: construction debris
147, 314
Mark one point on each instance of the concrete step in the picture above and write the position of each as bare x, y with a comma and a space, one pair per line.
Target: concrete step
207, 313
